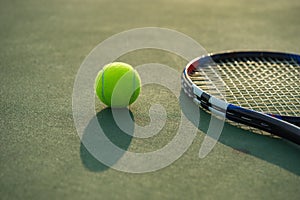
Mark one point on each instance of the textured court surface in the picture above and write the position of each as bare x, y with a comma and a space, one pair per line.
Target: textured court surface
42, 44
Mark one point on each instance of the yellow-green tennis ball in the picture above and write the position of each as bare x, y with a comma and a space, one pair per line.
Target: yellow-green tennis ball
118, 85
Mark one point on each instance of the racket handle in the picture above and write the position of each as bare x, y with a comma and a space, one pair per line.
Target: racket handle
264, 122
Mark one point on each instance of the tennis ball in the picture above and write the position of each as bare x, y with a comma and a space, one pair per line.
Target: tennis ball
117, 85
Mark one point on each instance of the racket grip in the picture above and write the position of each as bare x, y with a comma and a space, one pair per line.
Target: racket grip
264, 122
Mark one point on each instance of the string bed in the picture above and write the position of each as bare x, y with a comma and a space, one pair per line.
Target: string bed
263, 84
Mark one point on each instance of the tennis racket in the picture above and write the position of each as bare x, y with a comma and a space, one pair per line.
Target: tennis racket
258, 89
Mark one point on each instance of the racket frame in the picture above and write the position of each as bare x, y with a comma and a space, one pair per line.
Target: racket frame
273, 124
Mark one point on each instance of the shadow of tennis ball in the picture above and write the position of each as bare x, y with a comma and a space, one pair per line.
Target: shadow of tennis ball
112, 132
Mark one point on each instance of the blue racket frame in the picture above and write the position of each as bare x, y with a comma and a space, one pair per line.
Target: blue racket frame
287, 127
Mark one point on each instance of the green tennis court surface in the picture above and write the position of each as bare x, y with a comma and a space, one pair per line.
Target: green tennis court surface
42, 45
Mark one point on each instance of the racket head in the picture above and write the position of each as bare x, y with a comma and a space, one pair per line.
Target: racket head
263, 81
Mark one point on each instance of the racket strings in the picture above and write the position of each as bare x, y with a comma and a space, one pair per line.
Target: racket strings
264, 84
